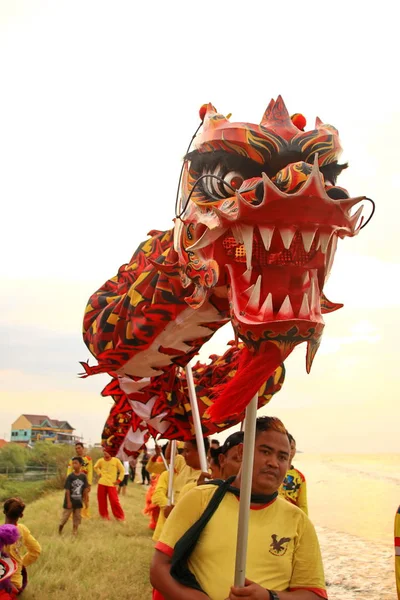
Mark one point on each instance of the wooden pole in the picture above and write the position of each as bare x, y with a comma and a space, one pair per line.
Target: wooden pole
171, 474
245, 491
196, 419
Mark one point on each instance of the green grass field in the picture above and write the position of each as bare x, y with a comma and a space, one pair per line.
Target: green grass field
106, 560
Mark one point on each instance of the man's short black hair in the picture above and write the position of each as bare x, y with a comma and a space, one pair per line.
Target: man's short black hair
291, 438
79, 459
78, 444
206, 443
215, 441
270, 423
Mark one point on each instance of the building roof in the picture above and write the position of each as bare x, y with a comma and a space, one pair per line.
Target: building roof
38, 420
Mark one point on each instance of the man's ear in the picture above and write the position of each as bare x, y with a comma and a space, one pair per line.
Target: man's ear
240, 452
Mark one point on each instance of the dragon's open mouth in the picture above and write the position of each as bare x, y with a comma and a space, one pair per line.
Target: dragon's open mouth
275, 274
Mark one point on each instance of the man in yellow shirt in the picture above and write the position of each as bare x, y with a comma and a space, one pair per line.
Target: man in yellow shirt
294, 487
283, 559
111, 472
87, 469
26, 550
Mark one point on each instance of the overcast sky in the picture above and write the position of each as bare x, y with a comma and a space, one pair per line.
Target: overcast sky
98, 103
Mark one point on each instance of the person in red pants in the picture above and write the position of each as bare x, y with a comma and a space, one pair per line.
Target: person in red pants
111, 472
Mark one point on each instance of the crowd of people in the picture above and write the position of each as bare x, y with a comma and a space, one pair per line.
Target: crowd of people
194, 527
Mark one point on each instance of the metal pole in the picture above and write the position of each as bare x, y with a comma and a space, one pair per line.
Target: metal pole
196, 419
245, 491
164, 461
171, 474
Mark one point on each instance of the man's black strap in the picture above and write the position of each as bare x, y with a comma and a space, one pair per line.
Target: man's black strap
185, 545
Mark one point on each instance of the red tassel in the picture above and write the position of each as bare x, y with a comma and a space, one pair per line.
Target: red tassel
254, 370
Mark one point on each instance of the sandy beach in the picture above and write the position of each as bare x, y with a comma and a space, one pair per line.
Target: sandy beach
352, 502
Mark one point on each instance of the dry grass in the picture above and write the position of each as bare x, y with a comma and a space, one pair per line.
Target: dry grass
107, 560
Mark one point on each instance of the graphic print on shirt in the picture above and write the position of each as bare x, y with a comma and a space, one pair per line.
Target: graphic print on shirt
76, 489
3, 569
278, 547
291, 486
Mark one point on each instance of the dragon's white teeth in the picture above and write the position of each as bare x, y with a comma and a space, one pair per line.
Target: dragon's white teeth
247, 232
287, 235
330, 256
208, 237
254, 300
314, 300
237, 234
286, 310
354, 218
308, 238
267, 309
324, 238
247, 275
304, 312
266, 232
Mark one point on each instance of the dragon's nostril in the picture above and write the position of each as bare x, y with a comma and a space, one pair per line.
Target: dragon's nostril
337, 193
259, 193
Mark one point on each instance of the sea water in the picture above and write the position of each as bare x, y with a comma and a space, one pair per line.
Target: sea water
352, 500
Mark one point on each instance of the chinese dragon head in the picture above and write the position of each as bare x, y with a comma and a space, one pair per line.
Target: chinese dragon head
254, 242
261, 216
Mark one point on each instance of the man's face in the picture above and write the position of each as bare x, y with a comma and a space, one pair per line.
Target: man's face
271, 461
292, 450
79, 450
231, 461
191, 455
106, 455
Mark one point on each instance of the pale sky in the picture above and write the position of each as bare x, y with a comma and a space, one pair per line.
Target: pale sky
98, 103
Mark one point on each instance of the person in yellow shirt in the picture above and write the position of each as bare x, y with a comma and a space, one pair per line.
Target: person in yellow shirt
87, 469
26, 550
294, 486
195, 555
111, 472
397, 549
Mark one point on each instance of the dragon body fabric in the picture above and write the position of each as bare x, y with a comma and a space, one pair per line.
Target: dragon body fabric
254, 243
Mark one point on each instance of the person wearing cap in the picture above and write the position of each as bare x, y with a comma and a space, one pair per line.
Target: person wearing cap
294, 486
195, 555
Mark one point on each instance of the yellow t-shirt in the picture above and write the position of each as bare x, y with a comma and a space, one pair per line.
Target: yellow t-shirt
156, 468
397, 549
283, 550
160, 498
23, 558
109, 471
87, 468
294, 489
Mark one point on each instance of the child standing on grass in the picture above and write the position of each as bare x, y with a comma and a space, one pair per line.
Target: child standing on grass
76, 495
26, 550
111, 472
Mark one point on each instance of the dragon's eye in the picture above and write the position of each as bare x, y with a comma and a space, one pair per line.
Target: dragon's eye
218, 185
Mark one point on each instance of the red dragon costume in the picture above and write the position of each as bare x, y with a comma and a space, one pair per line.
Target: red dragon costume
254, 242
